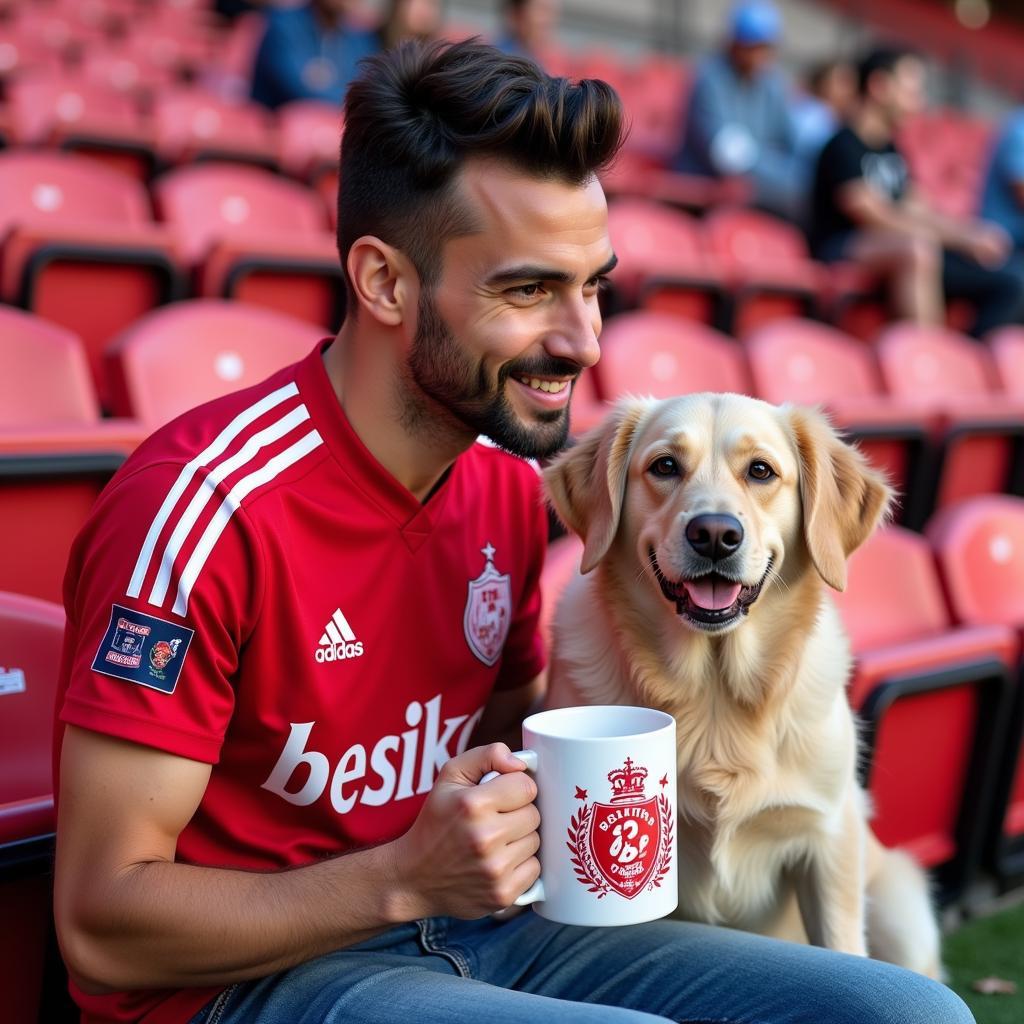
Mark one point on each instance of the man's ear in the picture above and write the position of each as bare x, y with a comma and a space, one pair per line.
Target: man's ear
586, 485
843, 497
384, 280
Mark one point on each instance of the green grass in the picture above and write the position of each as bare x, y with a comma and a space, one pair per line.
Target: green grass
987, 947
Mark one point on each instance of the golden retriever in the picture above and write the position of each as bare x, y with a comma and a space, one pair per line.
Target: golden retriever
712, 524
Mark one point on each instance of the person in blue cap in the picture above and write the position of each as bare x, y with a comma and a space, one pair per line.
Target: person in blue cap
738, 121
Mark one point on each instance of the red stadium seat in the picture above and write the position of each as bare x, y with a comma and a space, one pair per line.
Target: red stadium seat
662, 355
44, 376
813, 364
78, 246
561, 563
981, 431
932, 698
49, 478
254, 237
663, 262
31, 633
192, 124
980, 548
770, 270
190, 352
1007, 347
309, 138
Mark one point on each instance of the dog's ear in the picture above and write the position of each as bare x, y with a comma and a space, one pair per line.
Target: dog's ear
843, 497
587, 483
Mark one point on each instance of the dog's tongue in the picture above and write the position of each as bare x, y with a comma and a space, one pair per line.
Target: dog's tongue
712, 594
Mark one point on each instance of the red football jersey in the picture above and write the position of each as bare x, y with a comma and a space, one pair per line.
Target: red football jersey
254, 590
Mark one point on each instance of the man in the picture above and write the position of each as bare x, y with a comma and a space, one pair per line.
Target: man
865, 209
309, 52
528, 28
1002, 200
285, 822
738, 120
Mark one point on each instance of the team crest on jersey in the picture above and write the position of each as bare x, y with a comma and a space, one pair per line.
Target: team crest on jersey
488, 612
623, 846
143, 649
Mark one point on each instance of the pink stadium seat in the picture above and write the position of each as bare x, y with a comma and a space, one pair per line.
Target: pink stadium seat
44, 375
31, 633
49, 478
190, 352
770, 270
980, 549
813, 364
662, 355
79, 247
192, 124
586, 409
561, 563
1007, 347
255, 237
663, 262
980, 430
309, 138
931, 696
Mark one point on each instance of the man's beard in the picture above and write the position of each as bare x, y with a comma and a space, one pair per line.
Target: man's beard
444, 373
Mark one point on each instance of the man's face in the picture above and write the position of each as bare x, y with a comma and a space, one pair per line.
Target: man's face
750, 60
906, 88
513, 318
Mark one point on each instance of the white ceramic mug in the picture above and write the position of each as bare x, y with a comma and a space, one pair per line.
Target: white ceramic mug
606, 782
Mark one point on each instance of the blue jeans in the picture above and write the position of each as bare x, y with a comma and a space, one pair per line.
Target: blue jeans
529, 971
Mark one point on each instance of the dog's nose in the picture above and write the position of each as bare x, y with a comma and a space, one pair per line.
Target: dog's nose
714, 536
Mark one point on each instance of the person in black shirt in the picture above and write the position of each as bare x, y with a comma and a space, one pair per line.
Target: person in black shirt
864, 208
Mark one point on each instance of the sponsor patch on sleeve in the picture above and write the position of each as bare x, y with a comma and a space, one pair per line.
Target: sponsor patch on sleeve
143, 649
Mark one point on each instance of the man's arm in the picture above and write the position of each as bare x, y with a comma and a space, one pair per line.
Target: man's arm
987, 243
128, 916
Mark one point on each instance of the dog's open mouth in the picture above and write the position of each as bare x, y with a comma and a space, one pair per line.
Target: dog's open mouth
711, 601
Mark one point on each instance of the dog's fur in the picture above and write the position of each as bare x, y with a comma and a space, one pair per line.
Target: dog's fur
773, 833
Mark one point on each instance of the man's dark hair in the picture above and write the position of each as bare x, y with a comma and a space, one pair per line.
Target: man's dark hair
416, 113
884, 58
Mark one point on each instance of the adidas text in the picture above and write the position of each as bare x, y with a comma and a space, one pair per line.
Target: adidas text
339, 652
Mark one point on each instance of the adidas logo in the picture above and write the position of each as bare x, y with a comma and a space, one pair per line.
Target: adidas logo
338, 641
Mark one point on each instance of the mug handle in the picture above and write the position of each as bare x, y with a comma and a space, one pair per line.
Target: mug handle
529, 757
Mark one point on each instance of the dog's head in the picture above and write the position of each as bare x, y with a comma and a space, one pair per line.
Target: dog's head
716, 497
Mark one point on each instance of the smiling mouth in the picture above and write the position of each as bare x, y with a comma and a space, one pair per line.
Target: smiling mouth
710, 601
551, 387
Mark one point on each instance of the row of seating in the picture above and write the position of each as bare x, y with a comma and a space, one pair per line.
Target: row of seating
942, 414
938, 683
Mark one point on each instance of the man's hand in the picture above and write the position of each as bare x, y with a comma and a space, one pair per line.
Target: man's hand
988, 243
472, 849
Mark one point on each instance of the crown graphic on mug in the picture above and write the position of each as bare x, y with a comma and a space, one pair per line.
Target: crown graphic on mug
627, 782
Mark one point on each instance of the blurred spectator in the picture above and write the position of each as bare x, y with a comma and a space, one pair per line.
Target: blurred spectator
410, 19
310, 52
827, 103
738, 122
528, 28
864, 209
1002, 199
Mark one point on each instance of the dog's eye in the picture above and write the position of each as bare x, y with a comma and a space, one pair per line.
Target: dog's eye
664, 467
760, 470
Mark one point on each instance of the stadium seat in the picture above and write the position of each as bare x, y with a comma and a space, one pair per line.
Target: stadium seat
663, 264
770, 271
31, 633
586, 409
190, 352
662, 355
979, 544
195, 125
44, 375
256, 237
1007, 347
980, 431
814, 364
79, 247
309, 138
931, 697
49, 478
561, 563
